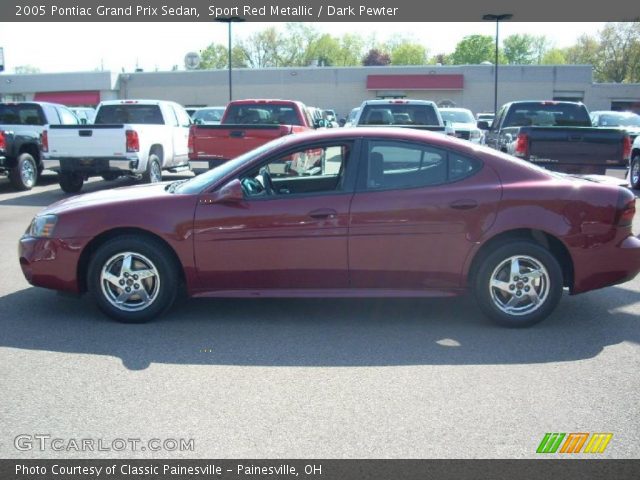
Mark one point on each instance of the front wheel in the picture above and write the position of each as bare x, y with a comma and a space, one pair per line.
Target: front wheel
634, 172
518, 284
25, 174
70, 182
133, 279
153, 173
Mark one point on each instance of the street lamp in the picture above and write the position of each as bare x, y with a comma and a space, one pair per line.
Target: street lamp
229, 21
497, 18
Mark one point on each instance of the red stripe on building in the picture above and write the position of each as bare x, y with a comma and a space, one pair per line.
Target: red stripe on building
415, 82
90, 97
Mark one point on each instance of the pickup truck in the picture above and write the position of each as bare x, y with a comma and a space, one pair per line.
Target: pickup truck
246, 125
21, 125
634, 167
557, 136
416, 114
138, 138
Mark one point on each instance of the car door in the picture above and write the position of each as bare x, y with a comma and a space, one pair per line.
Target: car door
290, 230
415, 215
181, 136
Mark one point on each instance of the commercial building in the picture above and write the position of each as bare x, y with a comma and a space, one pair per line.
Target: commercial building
341, 88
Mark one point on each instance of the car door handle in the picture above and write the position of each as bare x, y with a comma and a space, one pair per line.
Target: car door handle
464, 204
323, 213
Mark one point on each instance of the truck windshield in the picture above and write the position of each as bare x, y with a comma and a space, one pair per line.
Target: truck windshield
129, 113
398, 114
547, 114
457, 116
619, 120
21, 114
262, 114
199, 183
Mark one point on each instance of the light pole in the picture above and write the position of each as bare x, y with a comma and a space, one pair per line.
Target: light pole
497, 18
229, 21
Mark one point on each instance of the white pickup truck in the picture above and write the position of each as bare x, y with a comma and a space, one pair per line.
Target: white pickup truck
138, 138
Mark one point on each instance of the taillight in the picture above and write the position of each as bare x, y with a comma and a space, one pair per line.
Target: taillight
626, 147
522, 145
133, 142
3, 141
191, 144
626, 208
44, 141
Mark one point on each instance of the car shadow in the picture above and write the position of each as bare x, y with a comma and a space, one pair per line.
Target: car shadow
42, 198
318, 332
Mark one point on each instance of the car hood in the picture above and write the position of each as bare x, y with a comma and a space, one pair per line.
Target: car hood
107, 197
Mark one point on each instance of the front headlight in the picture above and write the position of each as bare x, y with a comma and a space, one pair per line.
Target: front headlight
475, 134
42, 226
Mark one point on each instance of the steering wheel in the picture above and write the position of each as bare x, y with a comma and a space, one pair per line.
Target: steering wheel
266, 180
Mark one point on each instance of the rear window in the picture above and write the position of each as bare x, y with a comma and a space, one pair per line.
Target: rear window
127, 113
398, 114
547, 115
262, 114
619, 120
22, 114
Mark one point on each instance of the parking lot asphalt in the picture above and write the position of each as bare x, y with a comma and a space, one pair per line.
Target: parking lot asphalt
374, 378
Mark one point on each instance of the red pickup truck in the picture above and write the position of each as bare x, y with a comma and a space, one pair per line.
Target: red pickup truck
246, 125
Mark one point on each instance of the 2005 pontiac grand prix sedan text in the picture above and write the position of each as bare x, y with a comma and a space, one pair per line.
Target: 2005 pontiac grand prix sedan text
372, 212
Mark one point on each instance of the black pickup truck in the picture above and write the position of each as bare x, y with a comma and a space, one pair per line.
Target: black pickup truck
557, 136
21, 125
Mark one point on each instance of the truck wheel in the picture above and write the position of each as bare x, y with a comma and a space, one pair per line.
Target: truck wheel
153, 173
70, 182
133, 278
518, 284
25, 174
634, 172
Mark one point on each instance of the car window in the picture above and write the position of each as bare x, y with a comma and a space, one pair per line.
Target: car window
265, 114
129, 113
316, 169
184, 120
398, 165
67, 117
21, 114
398, 114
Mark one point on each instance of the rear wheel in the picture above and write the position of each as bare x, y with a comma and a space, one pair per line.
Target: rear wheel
133, 279
634, 172
518, 284
25, 174
70, 182
153, 173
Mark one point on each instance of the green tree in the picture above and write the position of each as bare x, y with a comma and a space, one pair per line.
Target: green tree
350, 51
408, 53
294, 49
216, 56
263, 49
554, 56
519, 49
473, 50
619, 59
324, 50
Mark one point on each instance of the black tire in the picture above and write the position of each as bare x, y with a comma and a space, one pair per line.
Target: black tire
634, 172
147, 255
153, 173
70, 182
496, 265
24, 175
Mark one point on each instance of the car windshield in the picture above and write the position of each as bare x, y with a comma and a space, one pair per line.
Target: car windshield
619, 120
262, 113
208, 115
22, 114
398, 114
200, 182
457, 116
129, 113
547, 114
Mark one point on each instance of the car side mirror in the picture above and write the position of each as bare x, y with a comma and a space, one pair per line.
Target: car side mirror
342, 121
483, 125
319, 123
83, 121
230, 193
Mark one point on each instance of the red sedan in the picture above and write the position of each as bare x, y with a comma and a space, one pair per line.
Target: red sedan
381, 212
